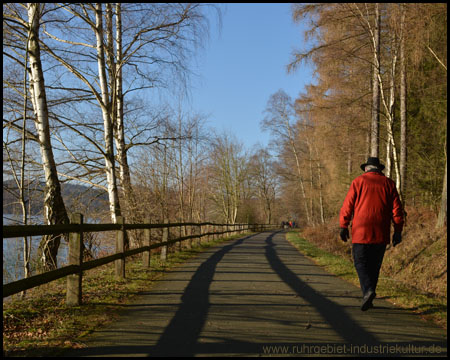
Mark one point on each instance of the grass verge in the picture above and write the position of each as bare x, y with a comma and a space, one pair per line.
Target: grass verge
42, 324
428, 306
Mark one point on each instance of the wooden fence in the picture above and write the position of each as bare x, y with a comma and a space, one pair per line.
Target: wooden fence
74, 271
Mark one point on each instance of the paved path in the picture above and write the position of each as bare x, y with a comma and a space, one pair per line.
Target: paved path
258, 296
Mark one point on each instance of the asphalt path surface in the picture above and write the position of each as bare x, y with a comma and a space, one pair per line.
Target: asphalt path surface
258, 296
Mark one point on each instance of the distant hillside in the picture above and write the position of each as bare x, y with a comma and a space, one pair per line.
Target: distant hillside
76, 198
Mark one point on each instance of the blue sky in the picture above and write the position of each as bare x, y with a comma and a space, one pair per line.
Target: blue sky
244, 64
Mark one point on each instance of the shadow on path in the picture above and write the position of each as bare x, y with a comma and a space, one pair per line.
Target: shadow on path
180, 336
332, 313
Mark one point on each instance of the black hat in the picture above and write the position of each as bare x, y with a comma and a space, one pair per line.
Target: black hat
373, 161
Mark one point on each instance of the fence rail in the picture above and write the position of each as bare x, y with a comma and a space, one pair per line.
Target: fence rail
74, 271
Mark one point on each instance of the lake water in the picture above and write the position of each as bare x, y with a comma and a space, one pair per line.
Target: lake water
13, 250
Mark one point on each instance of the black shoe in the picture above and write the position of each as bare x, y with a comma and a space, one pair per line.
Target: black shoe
367, 300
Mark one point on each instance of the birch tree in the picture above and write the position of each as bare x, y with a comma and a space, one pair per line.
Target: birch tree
106, 106
403, 103
375, 120
388, 102
54, 208
150, 51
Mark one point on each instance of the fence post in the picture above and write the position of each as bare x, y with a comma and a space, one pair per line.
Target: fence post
120, 247
192, 232
190, 242
165, 237
146, 255
74, 281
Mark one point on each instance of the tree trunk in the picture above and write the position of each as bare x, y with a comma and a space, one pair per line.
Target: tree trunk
311, 180
390, 148
180, 176
403, 122
26, 245
119, 129
54, 209
111, 178
125, 176
388, 167
375, 119
118, 117
319, 179
322, 212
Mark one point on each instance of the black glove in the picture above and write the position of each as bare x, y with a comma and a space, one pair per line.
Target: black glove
344, 234
396, 238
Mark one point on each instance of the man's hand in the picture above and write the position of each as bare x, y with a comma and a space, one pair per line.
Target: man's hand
396, 238
344, 234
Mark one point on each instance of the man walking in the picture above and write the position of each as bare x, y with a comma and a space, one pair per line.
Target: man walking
371, 204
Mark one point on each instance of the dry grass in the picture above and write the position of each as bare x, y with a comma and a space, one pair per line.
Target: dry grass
413, 274
326, 237
420, 261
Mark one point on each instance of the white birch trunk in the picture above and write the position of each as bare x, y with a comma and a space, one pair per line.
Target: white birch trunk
374, 34
114, 205
26, 245
54, 209
403, 120
375, 122
390, 109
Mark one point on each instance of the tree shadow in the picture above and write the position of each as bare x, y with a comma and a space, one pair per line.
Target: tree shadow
180, 336
334, 314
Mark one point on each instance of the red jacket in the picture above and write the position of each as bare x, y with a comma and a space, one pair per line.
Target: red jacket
373, 202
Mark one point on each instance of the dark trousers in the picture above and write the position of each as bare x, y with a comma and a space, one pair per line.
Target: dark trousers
368, 259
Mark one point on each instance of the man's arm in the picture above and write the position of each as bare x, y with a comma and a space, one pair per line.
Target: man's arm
397, 217
397, 211
346, 213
